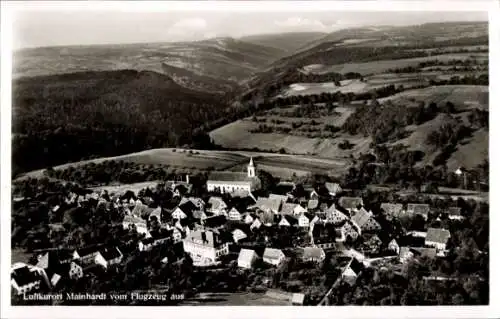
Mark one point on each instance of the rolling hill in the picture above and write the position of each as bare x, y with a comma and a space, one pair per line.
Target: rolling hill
221, 59
289, 42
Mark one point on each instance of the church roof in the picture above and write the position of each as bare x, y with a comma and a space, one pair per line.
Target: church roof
233, 177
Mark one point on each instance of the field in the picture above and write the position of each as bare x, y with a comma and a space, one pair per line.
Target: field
282, 165
383, 65
238, 134
120, 189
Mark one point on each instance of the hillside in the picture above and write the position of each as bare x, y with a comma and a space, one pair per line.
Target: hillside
224, 59
289, 42
61, 118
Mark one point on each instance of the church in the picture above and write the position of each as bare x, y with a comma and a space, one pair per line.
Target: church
228, 182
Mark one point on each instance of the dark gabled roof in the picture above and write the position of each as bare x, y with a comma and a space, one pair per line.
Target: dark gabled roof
110, 253
438, 235
215, 221
393, 209
188, 208
148, 241
24, 276
356, 266
84, 251
290, 219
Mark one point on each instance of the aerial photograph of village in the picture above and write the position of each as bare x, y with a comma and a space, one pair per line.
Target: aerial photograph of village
250, 159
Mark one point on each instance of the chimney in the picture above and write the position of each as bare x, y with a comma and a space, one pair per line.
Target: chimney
187, 178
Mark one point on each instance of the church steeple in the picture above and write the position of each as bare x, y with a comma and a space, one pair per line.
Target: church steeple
251, 168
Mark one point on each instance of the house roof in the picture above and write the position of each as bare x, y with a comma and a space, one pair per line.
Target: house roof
266, 217
403, 251
84, 251
290, 219
141, 209
287, 208
110, 253
454, 211
239, 234
438, 235
234, 210
133, 220
272, 253
246, 255
205, 237
148, 241
298, 298
361, 217
312, 204
392, 208
312, 253
215, 221
356, 266
188, 208
231, 177
199, 214
333, 187
265, 203
350, 202
283, 198
425, 252
422, 209
374, 240
25, 275
216, 203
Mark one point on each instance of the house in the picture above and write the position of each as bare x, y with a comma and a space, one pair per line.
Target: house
199, 216
454, 213
27, 278
405, 254
313, 254
392, 210
137, 223
184, 210
324, 234
176, 235
273, 256
292, 209
86, 255
215, 222
196, 201
217, 206
418, 209
351, 204
298, 299
426, 252
282, 198
437, 238
75, 271
228, 182
108, 256
158, 214
238, 235
205, 247
393, 246
146, 244
247, 258
351, 230
304, 220
234, 214
248, 218
288, 220
58, 264
365, 221
335, 216
373, 244
256, 224
351, 271
268, 205
266, 218
141, 210
333, 188
312, 204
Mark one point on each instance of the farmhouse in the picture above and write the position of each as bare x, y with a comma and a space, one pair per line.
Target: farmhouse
365, 221
313, 254
131, 221
26, 278
391, 210
228, 182
335, 216
292, 209
217, 206
234, 214
333, 188
238, 235
108, 256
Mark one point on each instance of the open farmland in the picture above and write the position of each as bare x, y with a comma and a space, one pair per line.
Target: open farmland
384, 65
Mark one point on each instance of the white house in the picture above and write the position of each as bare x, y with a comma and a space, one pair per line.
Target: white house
393, 246
131, 221
247, 218
108, 256
303, 220
205, 246
247, 258
75, 271
27, 278
228, 182
256, 224
314, 254
238, 235
365, 221
85, 255
234, 214
273, 256
217, 206
437, 238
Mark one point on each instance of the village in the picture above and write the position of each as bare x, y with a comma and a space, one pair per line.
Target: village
293, 246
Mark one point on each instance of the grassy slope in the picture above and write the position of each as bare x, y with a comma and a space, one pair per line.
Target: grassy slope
237, 135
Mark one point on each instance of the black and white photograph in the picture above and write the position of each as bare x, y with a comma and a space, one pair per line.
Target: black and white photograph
267, 157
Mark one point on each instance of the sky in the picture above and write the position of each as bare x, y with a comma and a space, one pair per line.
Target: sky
54, 28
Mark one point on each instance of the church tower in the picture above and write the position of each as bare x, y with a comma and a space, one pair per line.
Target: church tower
251, 168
